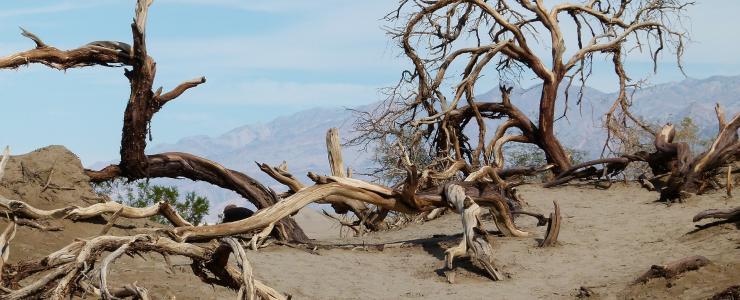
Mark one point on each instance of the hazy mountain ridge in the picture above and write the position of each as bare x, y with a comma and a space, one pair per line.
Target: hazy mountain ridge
299, 138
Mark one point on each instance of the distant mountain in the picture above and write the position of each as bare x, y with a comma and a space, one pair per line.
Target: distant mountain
299, 138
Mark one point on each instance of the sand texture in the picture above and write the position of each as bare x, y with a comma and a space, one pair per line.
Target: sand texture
608, 238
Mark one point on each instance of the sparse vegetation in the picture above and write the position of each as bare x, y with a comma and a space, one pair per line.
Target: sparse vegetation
428, 161
142, 193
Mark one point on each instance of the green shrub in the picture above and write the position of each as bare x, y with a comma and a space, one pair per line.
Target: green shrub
142, 193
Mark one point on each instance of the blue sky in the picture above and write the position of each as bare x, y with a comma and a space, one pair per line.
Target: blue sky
262, 59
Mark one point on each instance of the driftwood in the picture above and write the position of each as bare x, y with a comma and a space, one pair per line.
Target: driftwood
4, 161
727, 214
553, 227
673, 269
475, 242
5, 238
65, 266
25, 210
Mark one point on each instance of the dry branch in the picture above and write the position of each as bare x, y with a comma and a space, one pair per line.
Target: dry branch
65, 267
727, 214
26, 210
4, 161
673, 269
5, 239
683, 172
553, 227
475, 242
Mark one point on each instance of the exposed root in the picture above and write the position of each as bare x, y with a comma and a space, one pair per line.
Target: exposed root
553, 227
727, 214
5, 239
67, 268
673, 269
475, 243
730, 293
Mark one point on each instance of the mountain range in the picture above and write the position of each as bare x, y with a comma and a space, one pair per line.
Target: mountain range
299, 138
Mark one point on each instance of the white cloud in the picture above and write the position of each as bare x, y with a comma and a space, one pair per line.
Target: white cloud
51, 8
341, 38
269, 93
254, 5
23, 11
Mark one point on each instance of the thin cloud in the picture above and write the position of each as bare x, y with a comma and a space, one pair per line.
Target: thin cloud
270, 93
344, 38
49, 9
254, 5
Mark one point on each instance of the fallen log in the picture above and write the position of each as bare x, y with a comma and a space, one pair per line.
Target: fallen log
727, 214
673, 268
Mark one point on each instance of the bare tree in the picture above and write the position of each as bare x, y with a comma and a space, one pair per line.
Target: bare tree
66, 272
143, 103
512, 39
676, 171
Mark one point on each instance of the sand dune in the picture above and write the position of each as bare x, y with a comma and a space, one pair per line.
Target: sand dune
608, 238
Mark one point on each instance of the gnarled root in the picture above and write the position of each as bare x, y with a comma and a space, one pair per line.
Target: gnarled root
674, 268
259, 238
475, 242
727, 214
68, 269
553, 227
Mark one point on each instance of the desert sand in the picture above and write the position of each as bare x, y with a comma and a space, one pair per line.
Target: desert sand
608, 238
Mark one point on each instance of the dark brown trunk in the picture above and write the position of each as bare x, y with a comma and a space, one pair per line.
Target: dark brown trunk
546, 139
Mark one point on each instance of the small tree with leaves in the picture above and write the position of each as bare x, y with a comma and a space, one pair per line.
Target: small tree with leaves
143, 194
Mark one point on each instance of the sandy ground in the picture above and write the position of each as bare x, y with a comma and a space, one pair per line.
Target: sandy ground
608, 238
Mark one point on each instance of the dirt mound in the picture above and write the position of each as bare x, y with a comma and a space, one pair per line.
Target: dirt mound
53, 177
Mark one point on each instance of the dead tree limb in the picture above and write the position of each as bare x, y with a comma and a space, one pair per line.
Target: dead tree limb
4, 161
5, 239
673, 268
727, 214
553, 227
104, 292
475, 242
23, 209
66, 267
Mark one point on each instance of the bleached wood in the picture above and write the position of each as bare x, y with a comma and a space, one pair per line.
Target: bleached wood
4, 161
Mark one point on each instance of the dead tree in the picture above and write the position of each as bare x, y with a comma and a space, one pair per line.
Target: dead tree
478, 37
676, 171
143, 103
68, 271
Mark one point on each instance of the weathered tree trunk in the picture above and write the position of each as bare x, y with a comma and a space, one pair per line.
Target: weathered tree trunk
546, 139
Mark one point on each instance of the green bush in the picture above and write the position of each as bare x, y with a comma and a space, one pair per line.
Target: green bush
142, 193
